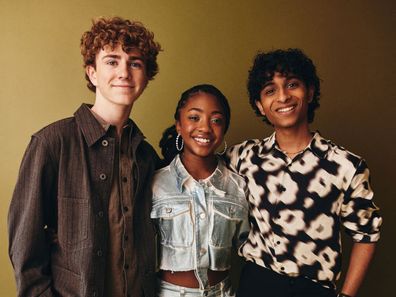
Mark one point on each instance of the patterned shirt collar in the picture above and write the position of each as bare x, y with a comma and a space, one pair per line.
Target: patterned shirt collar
318, 145
216, 179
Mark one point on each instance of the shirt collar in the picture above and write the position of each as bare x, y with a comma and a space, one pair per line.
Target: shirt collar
180, 172
94, 128
318, 145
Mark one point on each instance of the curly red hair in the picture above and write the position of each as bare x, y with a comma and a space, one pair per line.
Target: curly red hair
116, 31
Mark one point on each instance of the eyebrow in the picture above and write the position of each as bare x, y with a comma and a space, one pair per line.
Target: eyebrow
131, 58
287, 77
201, 110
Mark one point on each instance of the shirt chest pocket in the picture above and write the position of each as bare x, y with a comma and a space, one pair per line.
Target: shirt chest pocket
227, 217
174, 223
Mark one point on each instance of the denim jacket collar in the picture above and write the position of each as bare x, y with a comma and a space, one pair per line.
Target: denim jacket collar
217, 179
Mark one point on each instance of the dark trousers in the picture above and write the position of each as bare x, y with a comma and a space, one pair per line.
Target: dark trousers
257, 281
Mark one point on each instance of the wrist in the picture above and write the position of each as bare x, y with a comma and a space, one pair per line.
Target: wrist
343, 295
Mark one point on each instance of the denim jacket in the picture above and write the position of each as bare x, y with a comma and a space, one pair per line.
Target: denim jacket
198, 224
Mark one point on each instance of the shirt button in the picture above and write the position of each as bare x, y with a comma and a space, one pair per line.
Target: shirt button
202, 215
126, 208
203, 251
282, 268
102, 176
100, 214
124, 179
105, 142
99, 253
278, 242
168, 209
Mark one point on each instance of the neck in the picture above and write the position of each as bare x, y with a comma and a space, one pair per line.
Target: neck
115, 115
293, 141
199, 167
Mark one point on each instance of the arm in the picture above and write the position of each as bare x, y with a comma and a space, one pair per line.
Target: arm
27, 222
361, 256
362, 222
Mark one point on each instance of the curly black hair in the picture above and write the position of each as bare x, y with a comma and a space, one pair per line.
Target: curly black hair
290, 61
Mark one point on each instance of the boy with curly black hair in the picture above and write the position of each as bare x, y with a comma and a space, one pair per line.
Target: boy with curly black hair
302, 189
79, 220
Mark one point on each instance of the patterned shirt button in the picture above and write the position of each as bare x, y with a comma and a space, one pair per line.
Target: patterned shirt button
102, 176
105, 142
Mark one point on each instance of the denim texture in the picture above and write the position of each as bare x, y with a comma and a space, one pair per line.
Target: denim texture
198, 222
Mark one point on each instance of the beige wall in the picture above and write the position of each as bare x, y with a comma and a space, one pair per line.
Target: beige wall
352, 43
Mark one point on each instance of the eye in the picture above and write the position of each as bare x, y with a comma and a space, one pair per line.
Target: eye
193, 118
293, 84
217, 120
112, 62
136, 65
269, 91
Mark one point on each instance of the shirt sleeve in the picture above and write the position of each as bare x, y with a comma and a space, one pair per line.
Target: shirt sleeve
359, 214
29, 247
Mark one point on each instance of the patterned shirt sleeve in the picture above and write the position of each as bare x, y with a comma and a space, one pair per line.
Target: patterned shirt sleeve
359, 214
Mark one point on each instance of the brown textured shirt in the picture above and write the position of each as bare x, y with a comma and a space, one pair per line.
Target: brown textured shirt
119, 253
59, 229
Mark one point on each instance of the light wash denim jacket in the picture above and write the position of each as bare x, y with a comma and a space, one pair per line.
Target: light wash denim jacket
198, 224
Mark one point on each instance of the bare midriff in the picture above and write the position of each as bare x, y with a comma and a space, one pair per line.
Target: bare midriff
188, 278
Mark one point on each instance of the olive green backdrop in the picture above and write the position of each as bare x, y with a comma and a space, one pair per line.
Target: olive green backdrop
351, 42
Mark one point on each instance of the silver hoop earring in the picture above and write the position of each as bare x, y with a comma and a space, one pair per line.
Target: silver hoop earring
224, 150
179, 148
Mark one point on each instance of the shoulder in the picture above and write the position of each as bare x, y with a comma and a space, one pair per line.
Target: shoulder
343, 156
240, 149
163, 180
57, 131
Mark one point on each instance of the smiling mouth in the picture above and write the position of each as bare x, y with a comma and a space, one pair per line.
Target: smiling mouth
202, 140
286, 109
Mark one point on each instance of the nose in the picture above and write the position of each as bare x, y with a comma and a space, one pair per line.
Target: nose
284, 95
124, 71
204, 126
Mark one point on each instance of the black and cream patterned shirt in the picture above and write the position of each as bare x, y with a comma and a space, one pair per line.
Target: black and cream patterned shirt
297, 206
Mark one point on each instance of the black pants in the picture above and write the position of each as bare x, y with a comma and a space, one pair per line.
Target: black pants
257, 281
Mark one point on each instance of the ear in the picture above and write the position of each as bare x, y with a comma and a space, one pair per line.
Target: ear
260, 107
91, 72
178, 127
311, 91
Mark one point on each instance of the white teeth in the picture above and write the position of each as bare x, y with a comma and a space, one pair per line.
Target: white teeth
286, 109
203, 140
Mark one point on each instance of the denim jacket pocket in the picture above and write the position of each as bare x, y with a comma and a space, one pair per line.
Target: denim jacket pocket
174, 222
226, 217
